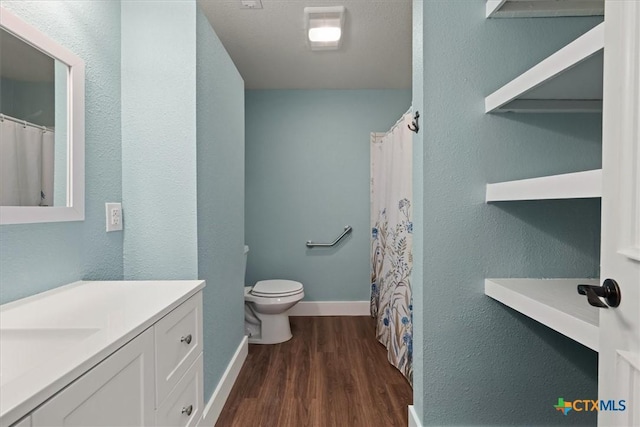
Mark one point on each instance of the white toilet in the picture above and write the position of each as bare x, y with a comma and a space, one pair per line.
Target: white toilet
266, 306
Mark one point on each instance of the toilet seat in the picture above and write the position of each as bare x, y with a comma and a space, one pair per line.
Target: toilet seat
276, 288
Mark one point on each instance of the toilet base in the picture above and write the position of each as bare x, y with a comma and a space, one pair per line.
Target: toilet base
275, 329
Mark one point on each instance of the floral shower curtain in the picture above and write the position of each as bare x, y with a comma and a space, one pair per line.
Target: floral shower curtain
391, 243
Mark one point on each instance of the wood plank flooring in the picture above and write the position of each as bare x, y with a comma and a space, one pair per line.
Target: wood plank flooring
332, 373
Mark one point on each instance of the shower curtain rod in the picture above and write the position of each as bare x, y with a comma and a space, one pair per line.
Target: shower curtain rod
24, 123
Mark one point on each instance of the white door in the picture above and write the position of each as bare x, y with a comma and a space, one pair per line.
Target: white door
117, 392
619, 354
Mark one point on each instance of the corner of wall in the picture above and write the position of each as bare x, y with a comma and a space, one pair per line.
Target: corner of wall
220, 199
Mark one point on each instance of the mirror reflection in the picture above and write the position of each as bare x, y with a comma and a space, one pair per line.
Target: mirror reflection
33, 125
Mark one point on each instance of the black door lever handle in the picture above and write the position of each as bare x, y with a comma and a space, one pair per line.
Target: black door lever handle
592, 296
609, 290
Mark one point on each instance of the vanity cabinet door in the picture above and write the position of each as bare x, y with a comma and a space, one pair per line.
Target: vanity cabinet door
117, 392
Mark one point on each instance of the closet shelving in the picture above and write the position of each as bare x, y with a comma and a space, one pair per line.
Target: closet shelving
543, 8
578, 185
568, 81
552, 302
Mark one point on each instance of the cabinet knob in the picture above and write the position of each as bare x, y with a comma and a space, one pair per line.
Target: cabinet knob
188, 410
186, 339
609, 290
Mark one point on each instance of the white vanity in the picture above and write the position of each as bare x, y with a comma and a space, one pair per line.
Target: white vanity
121, 353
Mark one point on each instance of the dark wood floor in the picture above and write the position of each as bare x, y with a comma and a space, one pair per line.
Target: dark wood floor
333, 372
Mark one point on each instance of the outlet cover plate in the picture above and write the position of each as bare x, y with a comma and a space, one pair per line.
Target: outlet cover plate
113, 212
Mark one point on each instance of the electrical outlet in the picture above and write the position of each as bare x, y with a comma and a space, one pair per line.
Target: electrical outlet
114, 216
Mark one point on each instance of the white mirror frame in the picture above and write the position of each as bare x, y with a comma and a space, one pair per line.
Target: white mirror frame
74, 210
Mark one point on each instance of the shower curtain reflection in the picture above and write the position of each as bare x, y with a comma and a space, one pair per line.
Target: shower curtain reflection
26, 164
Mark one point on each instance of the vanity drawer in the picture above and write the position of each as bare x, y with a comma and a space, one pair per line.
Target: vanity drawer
178, 338
183, 406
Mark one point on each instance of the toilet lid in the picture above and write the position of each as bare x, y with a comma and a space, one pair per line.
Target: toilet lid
273, 288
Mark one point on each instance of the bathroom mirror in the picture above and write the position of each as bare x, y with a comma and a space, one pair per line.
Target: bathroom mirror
41, 126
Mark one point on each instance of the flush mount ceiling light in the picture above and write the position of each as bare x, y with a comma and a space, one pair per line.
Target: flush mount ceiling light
323, 27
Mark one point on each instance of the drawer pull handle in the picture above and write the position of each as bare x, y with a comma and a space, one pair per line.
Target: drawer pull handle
186, 339
188, 410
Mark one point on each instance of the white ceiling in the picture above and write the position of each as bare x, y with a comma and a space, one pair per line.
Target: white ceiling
269, 47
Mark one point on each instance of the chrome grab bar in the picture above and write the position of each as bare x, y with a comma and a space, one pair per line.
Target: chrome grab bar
347, 230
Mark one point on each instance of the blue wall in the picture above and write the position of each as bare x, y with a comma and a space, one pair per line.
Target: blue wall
483, 363
307, 176
220, 149
38, 257
159, 139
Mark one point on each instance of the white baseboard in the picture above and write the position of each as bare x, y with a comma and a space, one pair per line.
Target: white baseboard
414, 421
331, 308
219, 397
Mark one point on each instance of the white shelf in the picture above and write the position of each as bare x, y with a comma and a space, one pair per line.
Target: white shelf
553, 302
578, 185
570, 80
543, 8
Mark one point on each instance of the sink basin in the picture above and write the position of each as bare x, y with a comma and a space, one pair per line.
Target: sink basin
24, 349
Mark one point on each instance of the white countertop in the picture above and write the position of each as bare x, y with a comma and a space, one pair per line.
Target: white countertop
49, 339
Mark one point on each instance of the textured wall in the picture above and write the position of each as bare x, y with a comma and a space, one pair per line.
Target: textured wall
485, 364
159, 139
220, 148
37, 257
307, 172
